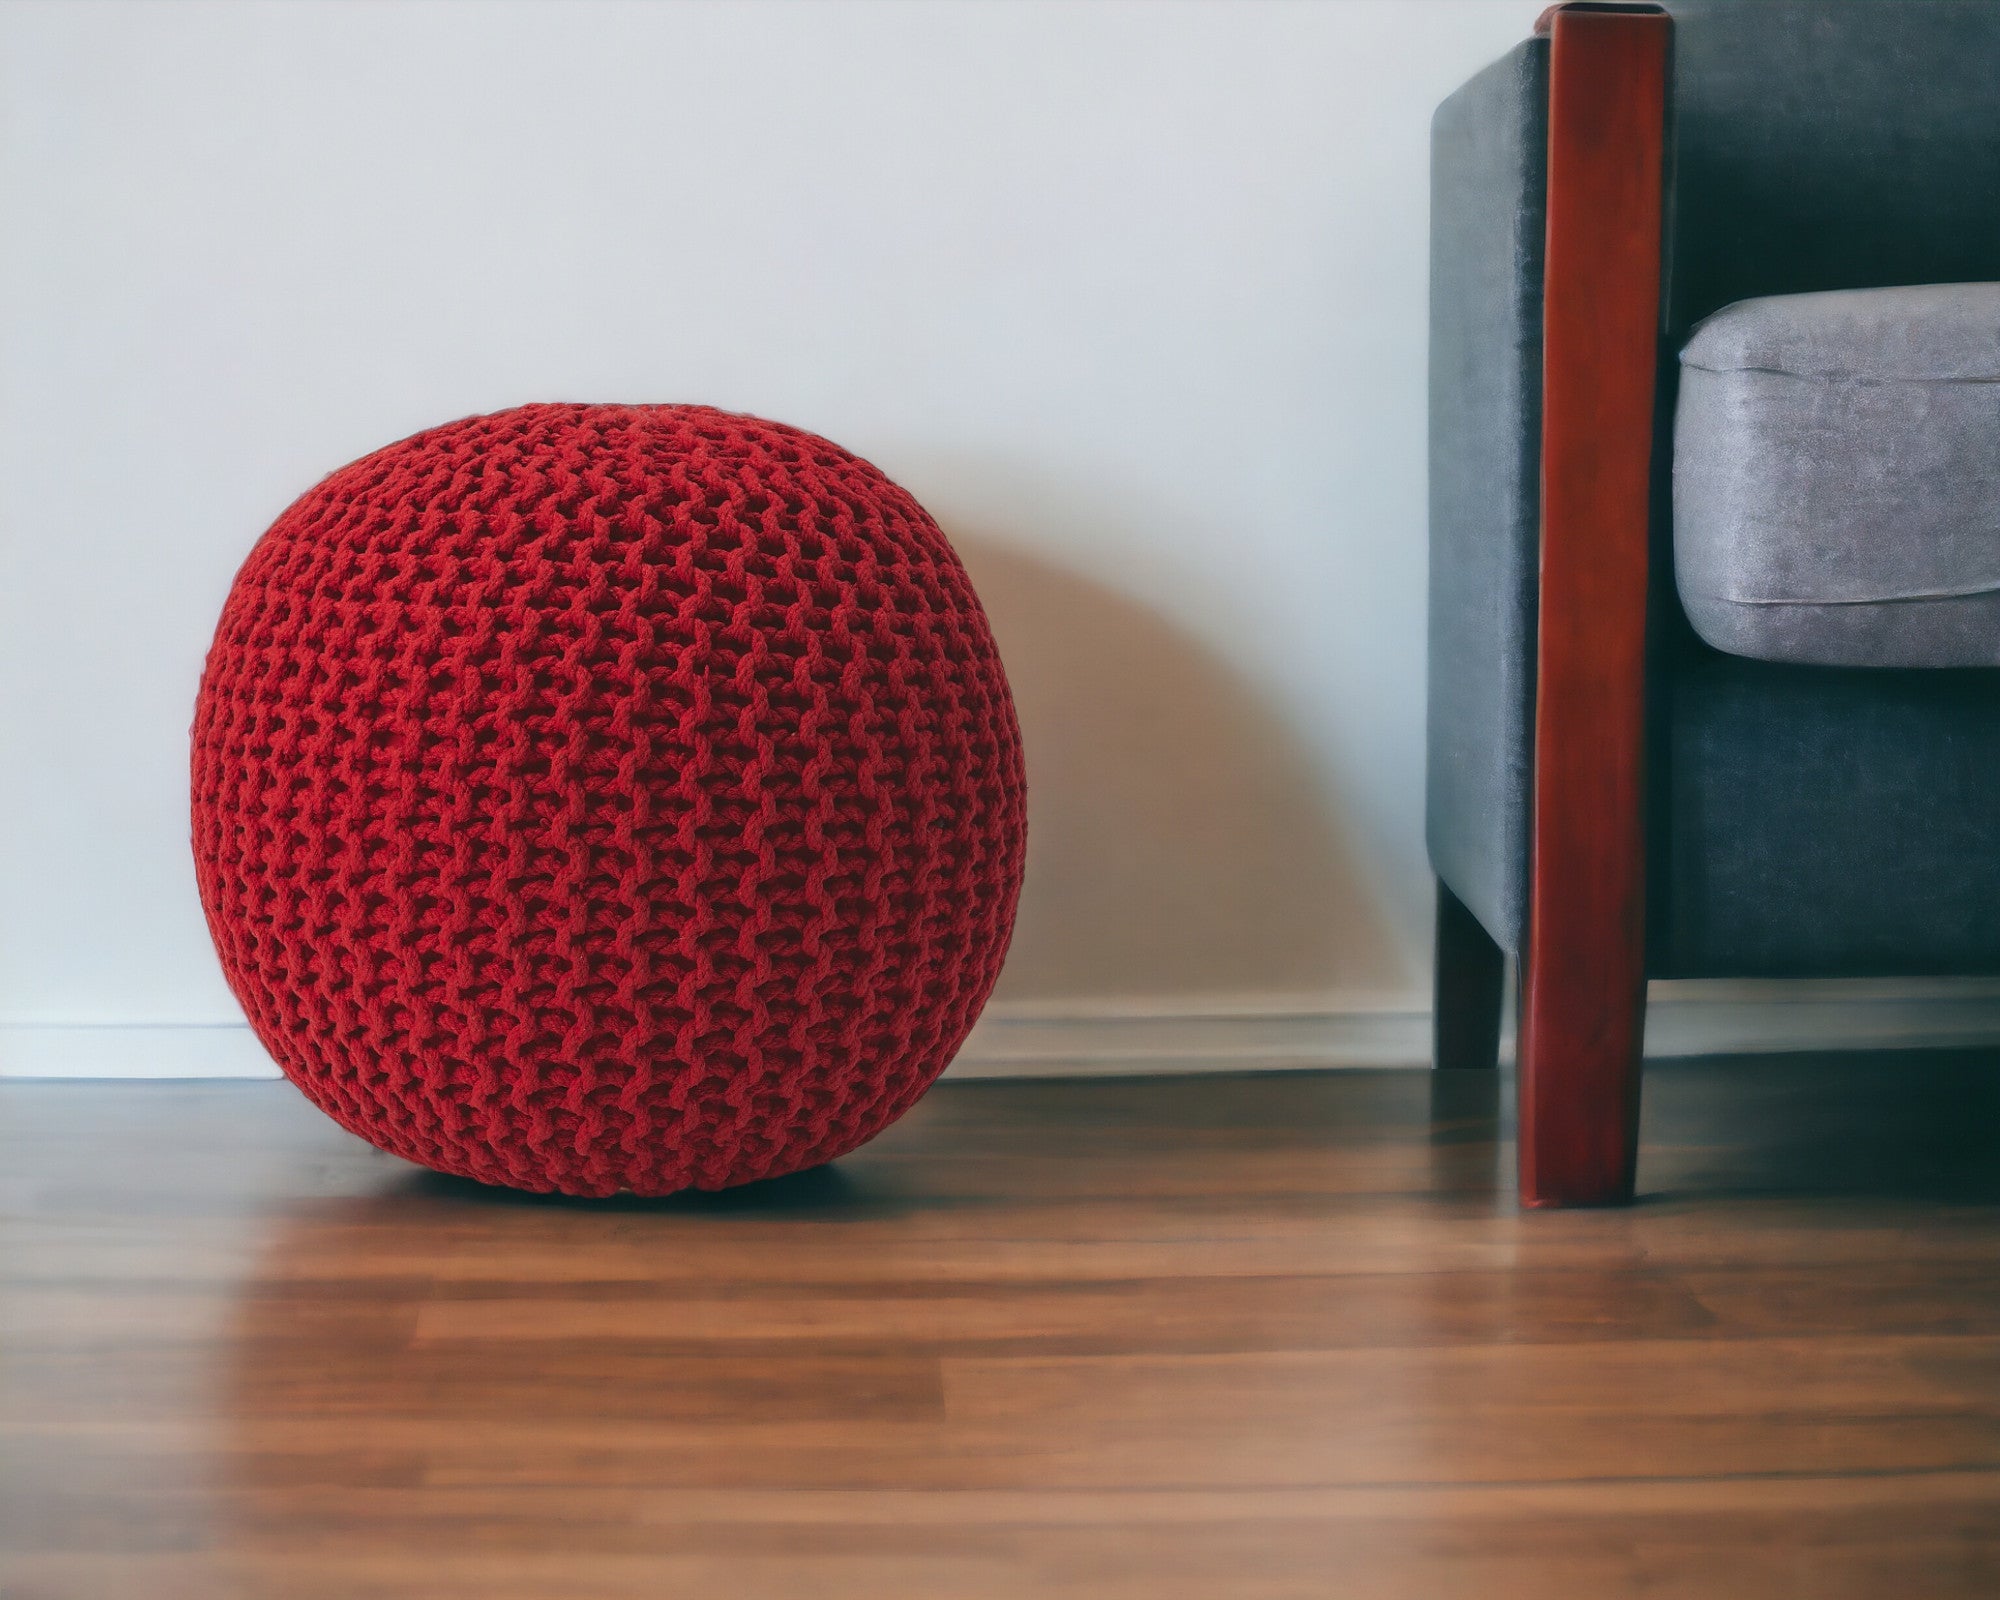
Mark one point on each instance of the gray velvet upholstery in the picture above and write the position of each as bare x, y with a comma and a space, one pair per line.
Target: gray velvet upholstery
1489, 151
1821, 823
1837, 477
1822, 820
1831, 144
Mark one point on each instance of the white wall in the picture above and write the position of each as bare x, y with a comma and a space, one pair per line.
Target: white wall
1131, 296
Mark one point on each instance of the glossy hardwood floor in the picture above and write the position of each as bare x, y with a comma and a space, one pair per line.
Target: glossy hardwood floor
1238, 1337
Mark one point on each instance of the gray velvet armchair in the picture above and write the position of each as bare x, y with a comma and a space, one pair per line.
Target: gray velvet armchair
1715, 527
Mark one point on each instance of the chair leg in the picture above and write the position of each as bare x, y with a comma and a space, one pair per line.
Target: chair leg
1584, 966
1467, 987
1579, 1085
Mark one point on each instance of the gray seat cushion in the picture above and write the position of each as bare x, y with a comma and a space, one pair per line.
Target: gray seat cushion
1837, 477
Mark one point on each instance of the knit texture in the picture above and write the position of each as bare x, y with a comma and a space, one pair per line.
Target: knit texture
608, 798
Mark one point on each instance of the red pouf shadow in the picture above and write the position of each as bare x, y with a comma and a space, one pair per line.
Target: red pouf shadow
608, 799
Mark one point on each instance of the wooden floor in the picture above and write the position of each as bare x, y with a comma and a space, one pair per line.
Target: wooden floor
1234, 1337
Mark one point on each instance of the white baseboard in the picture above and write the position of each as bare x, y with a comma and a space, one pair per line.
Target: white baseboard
1031, 1042
132, 1050
1683, 1018
1038, 1041
1708, 1017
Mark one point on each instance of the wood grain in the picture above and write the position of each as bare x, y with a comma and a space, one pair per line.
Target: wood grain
1583, 985
1257, 1336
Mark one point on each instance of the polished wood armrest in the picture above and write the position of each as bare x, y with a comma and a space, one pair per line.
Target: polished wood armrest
1583, 981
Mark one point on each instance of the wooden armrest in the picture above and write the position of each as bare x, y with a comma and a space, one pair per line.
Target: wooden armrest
1584, 972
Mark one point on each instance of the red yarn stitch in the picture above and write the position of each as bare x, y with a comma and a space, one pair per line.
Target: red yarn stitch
601, 798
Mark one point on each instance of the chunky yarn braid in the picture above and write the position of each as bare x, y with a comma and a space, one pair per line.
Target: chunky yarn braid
608, 798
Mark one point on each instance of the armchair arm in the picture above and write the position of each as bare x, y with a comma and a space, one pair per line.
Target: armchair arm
1547, 196
1584, 977
1489, 160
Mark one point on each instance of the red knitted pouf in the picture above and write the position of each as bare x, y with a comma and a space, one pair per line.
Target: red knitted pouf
608, 798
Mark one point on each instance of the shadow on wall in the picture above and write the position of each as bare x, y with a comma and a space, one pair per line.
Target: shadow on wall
1180, 846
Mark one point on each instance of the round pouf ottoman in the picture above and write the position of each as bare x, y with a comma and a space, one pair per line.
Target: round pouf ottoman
608, 799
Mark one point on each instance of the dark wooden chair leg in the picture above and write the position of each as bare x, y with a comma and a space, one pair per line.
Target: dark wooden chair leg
1468, 984
1579, 1090
1583, 972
